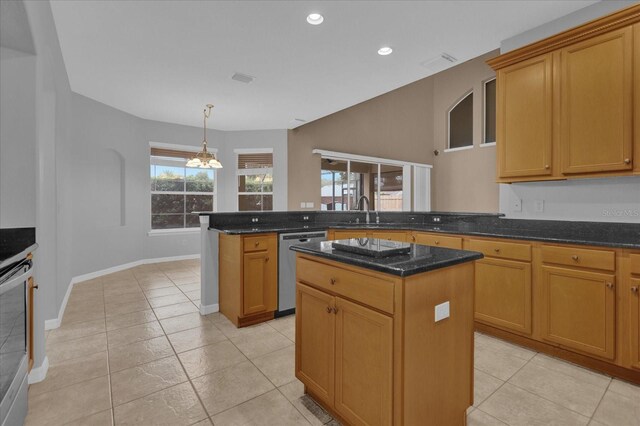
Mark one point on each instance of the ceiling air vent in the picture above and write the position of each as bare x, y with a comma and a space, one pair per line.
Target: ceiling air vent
440, 62
242, 78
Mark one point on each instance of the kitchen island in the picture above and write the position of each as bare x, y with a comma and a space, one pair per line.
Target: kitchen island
386, 341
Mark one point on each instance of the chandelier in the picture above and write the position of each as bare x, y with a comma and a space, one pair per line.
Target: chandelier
205, 159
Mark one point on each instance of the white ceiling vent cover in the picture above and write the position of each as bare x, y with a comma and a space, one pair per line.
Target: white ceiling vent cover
242, 78
440, 62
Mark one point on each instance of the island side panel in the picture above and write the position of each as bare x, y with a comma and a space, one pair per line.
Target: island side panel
438, 356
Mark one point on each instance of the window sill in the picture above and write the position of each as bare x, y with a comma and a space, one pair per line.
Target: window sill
487, 144
462, 148
173, 231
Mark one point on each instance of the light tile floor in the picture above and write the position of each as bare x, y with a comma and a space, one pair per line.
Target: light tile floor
133, 350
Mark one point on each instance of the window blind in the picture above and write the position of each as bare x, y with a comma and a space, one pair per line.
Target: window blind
255, 161
172, 153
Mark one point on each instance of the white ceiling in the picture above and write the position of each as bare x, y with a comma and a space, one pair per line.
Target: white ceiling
164, 60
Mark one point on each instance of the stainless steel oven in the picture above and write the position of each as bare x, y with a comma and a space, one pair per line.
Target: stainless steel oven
14, 339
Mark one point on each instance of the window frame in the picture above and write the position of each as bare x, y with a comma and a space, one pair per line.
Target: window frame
214, 193
252, 172
451, 108
484, 112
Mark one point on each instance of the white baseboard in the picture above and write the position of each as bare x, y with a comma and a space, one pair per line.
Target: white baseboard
38, 374
55, 322
209, 309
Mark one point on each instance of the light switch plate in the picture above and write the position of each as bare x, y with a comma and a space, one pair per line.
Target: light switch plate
310, 204
516, 205
303, 204
442, 311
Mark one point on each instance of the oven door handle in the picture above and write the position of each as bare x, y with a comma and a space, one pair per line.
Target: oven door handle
16, 281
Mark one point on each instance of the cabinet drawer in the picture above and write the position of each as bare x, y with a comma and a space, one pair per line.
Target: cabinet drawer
256, 243
586, 258
390, 235
635, 263
501, 249
366, 289
436, 240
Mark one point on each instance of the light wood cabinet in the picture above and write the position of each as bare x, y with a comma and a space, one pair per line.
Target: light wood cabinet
248, 277
525, 118
364, 354
635, 322
503, 294
389, 235
434, 239
315, 341
596, 104
565, 104
578, 310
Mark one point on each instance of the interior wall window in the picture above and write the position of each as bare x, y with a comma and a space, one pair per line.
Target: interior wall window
255, 181
388, 196
460, 122
489, 112
339, 189
177, 190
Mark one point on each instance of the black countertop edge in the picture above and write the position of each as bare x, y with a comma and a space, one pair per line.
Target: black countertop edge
421, 259
14, 241
576, 238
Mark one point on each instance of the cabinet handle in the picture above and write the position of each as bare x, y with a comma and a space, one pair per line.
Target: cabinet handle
497, 250
546, 166
335, 310
266, 259
437, 242
329, 309
333, 281
35, 286
413, 238
609, 285
575, 257
634, 289
257, 243
627, 161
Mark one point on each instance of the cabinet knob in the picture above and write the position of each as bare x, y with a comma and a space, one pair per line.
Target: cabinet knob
609, 285
627, 161
437, 242
333, 281
634, 289
36, 286
546, 166
413, 238
575, 257
266, 259
497, 250
335, 310
257, 243
329, 309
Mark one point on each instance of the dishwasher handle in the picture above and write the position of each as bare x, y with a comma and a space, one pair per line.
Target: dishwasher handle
304, 240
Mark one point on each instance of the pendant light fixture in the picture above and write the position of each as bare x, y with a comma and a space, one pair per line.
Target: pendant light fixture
205, 159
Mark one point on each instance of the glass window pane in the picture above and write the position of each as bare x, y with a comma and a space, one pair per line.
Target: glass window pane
193, 221
199, 203
333, 191
255, 183
461, 123
169, 178
255, 202
199, 180
167, 203
167, 221
490, 112
390, 199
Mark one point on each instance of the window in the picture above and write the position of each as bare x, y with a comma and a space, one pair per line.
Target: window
489, 112
255, 181
460, 123
390, 185
177, 190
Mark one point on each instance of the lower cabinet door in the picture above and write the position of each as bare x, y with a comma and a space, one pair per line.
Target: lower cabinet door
315, 341
364, 365
259, 293
503, 294
578, 310
635, 322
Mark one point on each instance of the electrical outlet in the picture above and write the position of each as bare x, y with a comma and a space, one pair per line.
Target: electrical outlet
303, 204
538, 206
436, 218
516, 205
310, 204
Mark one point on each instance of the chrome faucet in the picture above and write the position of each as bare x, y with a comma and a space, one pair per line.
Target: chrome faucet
363, 197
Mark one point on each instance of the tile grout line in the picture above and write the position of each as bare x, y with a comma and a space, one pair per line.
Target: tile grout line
601, 399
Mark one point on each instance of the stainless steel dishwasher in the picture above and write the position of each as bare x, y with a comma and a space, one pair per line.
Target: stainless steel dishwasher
287, 268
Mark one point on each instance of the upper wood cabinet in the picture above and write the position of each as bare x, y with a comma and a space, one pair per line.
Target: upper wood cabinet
596, 104
566, 103
524, 118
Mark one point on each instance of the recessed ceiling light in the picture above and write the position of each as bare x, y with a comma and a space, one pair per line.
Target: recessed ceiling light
384, 51
315, 19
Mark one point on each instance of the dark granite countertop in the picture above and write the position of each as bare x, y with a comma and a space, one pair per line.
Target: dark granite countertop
616, 235
420, 258
14, 241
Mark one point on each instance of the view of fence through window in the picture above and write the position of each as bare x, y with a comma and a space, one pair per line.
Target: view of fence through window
177, 191
255, 181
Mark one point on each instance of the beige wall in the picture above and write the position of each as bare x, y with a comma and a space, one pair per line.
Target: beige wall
405, 124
